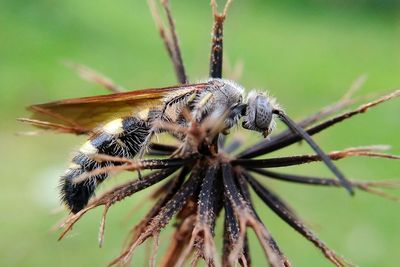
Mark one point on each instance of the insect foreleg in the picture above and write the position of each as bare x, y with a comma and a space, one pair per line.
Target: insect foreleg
121, 137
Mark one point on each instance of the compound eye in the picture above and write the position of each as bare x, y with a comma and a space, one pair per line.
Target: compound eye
263, 114
258, 114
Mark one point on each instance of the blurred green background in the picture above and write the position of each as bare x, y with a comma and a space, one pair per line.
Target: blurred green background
306, 53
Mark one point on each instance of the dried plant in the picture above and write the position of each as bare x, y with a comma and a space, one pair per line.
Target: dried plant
215, 182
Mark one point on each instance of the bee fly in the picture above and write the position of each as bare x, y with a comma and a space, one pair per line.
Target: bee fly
128, 120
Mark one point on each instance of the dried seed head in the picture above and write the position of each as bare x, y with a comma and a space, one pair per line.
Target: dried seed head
205, 180
207, 186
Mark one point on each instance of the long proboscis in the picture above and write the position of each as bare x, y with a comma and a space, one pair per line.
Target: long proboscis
301, 132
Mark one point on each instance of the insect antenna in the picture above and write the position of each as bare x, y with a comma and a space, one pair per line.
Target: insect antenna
169, 38
328, 162
217, 40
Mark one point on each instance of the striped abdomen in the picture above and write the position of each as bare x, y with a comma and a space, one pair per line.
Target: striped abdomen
122, 137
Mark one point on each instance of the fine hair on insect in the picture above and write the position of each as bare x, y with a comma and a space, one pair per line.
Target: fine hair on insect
205, 178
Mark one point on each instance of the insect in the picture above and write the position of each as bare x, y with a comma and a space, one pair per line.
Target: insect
126, 136
121, 127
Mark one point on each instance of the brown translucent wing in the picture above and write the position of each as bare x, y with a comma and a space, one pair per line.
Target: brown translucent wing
81, 115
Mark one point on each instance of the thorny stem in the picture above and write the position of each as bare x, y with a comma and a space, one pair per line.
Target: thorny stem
246, 217
370, 187
131, 165
169, 38
207, 208
181, 238
298, 160
163, 217
169, 192
92, 76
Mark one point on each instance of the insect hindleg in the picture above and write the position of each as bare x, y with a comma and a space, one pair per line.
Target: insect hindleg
121, 137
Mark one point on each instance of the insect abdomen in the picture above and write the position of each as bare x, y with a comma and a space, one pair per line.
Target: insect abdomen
122, 137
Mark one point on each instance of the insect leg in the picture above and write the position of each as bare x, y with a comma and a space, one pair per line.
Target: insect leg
217, 40
121, 137
169, 38
169, 113
300, 131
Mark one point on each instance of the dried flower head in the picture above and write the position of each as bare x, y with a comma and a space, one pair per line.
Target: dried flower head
215, 183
